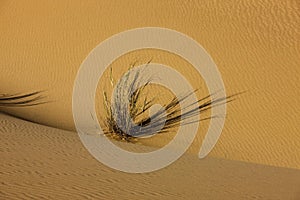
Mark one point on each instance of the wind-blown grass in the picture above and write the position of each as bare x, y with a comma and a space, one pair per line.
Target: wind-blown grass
127, 121
21, 100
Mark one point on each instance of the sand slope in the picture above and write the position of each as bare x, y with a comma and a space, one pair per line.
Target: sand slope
38, 162
255, 45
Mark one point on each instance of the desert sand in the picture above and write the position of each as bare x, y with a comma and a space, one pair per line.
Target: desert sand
255, 45
39, 162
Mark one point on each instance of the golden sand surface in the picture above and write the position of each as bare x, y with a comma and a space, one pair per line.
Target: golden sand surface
39, 162
255, 45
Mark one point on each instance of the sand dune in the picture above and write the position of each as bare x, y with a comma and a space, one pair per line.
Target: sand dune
255, 45
38, 162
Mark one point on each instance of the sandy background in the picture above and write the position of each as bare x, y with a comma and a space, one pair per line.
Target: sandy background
255, 45
39, 162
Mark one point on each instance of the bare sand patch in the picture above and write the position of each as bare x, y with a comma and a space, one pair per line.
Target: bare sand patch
48, 163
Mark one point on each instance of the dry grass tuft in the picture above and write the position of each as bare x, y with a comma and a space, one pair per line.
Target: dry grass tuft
22, 100
127, 122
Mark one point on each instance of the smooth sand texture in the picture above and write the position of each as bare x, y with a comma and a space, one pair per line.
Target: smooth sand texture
38, 162
255, 44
